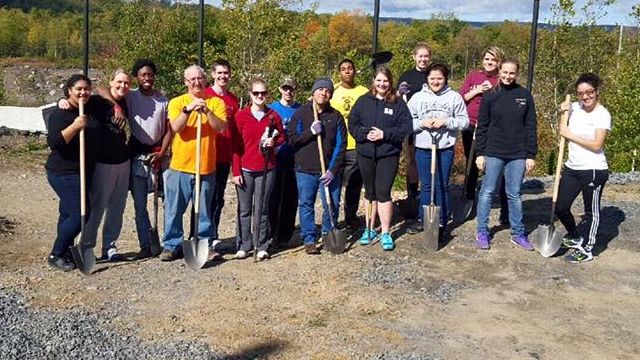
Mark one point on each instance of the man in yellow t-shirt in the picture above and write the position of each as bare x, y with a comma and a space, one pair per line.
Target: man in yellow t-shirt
345, 95
184, 113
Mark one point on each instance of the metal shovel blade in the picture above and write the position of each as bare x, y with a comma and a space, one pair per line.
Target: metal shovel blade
195, 252
461, 209
431, 227
154, 242
83, 257
547, 240
335, 241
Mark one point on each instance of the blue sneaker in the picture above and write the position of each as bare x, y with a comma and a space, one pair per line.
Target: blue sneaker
387, 242
483, 240
368, 235
523, 242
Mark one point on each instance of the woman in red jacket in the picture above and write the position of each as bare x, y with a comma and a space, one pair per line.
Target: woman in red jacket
257, 132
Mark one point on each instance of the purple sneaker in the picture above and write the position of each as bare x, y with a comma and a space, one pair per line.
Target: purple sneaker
523, 242
483, 240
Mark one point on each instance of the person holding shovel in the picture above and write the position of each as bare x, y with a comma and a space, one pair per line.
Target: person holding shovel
438, 113
379, 122
254, 137
63, 164
473, 87
302, 135
507, 143
586, 170
184, 113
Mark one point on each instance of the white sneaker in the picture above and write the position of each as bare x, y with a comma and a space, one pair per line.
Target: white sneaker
214, 244
262, 255
240, 255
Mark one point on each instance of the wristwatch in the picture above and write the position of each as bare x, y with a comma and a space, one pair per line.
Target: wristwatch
184, 110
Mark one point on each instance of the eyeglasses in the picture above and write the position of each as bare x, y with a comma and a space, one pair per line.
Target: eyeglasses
257, 93
196, 79
589, 92
287, 88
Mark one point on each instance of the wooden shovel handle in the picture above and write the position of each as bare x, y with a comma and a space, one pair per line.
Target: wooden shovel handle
198, 155
323, 166
564, 120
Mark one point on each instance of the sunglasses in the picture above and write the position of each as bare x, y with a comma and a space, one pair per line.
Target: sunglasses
589, 92
256, 93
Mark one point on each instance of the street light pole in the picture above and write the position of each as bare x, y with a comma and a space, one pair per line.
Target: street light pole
532, 46
200, 32
376, 19
85, 64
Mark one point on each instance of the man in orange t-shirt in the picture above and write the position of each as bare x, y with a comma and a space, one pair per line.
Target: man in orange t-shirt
184, 114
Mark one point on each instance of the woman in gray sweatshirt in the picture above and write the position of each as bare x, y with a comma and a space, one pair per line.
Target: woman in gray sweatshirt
438, 114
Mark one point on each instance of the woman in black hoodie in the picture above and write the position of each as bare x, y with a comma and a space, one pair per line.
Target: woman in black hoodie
379, 122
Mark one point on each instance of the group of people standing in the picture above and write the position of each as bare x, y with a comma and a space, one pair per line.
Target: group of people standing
276, 154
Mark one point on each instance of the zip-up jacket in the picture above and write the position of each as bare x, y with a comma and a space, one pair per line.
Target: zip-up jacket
334, 139
507, 124
445, 104
392, 118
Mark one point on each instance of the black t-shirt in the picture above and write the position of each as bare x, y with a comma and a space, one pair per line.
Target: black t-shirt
415, 79
113, 140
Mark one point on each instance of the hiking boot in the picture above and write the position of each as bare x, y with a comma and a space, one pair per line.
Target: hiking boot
522, 241
368, 235
572, 241
579, 255
262, 255
386, 241
312, 249
61, 263
415, 227
240, 254
168, 255
483, 240
143, 254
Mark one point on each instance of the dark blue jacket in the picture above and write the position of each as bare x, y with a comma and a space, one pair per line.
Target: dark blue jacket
393, 119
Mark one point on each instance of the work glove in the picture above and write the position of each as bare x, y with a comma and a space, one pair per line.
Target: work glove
327, 178
316, 128
265, 137
404, 88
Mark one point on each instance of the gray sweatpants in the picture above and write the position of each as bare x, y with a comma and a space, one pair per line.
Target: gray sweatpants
249, 200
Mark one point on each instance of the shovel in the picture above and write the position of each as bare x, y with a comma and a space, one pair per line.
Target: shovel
196, 251
431, 221
255, 236
154, 239
82, 253
335, 240
546, 238
461, 207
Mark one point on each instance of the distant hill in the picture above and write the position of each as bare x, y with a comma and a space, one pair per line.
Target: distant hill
479, 24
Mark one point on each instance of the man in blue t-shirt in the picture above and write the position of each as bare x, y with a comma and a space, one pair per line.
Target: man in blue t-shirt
282, 209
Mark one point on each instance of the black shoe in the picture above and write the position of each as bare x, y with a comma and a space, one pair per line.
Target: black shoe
415, 228
60, 263
143, 254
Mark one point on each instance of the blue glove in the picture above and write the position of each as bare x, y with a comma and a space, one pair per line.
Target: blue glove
327, 178
404, 88
316, 128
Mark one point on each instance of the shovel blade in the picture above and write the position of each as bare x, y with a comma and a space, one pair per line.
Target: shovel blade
461, 209
154, 242
547, 240
431, 224
195, 252
84, 258
335, 241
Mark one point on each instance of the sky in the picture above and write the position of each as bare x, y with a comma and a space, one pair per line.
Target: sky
471, 10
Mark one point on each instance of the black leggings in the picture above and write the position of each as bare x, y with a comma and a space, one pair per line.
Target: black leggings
385, 173
590, 183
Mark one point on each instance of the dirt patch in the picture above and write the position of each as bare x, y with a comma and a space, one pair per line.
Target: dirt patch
456, 303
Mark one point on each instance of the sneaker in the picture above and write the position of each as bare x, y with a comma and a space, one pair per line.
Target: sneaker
113, 256
143, 254
523, 242
572, 241
415, 227
167, 255
368, 235
240, 254
262, 255
214, 244
579, 255
312, 249
60, 263
213, 254
386, 241
483, 240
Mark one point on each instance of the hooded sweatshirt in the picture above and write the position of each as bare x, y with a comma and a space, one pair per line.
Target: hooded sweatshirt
445, 104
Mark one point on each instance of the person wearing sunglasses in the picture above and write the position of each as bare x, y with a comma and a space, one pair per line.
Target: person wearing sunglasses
255, 135
184, 113
585, 171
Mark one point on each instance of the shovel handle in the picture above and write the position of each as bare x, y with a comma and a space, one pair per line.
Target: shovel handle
323, 166
83, 169
564, 119
196, 206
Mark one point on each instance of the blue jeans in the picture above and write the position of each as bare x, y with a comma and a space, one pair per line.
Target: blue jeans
179, 190
308, 186
444, 164
67, 187
513, 174
140, 191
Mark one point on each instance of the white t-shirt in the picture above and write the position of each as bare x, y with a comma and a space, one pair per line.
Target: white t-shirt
584, 124
147, 116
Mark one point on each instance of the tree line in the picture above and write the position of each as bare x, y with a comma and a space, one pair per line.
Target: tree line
273, 38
